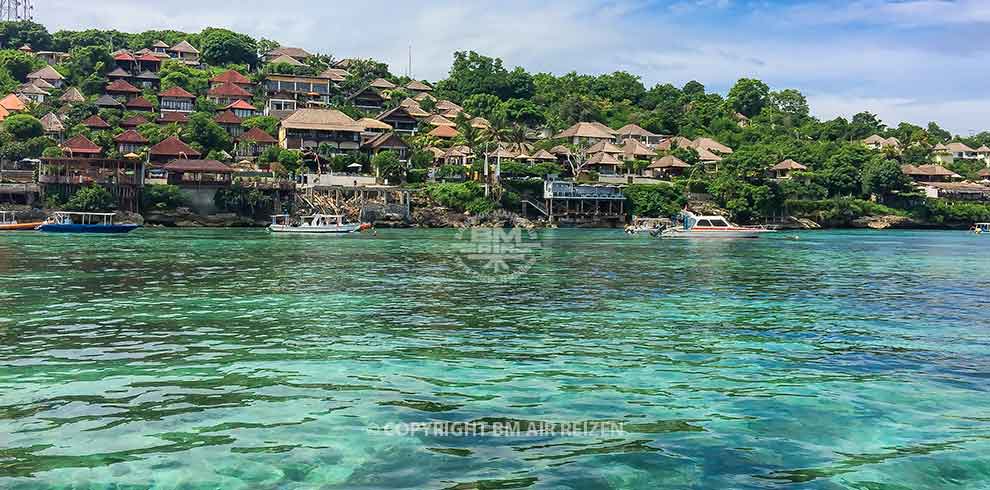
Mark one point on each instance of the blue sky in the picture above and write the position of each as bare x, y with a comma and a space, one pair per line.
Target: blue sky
907, 60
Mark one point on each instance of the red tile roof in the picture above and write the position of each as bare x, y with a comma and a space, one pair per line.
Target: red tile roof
131, 136
173, 146
257, 135
177, 92
173, 117
133, 122
227, 117
139, 103
95, 121
241, 104
228, 89
121, 85
81, 144
231, 76
123, 56
149, 57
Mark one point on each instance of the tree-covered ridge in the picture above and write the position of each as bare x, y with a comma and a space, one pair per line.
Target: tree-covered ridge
763, 125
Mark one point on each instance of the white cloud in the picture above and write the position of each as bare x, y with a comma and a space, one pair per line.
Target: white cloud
712, 43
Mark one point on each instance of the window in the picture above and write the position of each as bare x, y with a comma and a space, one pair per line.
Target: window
719, 223
703, 222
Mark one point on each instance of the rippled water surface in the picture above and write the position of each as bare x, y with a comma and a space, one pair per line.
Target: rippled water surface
230, 359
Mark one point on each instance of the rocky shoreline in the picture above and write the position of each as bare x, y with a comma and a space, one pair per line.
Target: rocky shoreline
440, 217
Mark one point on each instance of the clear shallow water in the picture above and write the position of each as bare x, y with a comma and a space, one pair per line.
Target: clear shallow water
229, 359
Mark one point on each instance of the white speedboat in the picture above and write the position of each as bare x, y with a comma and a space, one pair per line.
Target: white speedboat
317, 223
694, 226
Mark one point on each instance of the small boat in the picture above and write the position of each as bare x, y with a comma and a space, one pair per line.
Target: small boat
8, 223
646, 225
318, 223
980, 228
74, 222
694, 226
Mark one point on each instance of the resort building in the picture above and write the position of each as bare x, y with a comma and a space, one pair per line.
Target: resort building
635, 132
184, 52
286, 93
877, 142
227, 93
170, 149
242, 109
369, 98
49, 75
253, 142
946, 154
81, 147
234, 77
176, 99
783, 169
387, 142
230, 123
586, 133
298, 54
130, 141
400, 119
666, 166
307, 128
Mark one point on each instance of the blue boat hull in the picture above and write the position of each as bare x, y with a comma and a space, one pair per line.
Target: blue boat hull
56, 228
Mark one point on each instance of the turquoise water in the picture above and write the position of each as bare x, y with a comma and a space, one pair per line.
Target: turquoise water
176, 359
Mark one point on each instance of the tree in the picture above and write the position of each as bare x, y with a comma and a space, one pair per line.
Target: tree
693, 89
523, 111
203, 130
790, 103
18, 64
472, 73
748, 96
487, 106
222, 47
578, 159
91, 199
865, 124
268, 124
387, 165
23, 126
14, 34
883, 177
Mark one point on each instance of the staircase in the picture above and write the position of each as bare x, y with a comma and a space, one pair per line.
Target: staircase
539, 207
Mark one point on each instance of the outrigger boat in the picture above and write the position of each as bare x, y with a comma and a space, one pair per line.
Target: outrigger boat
980, 228
72, 222
645, 225
8, 223
694, 226
317, 223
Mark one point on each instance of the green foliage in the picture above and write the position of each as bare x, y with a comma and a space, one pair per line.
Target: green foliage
462, 197
174, 73
204, 131
23, 126
290, 161
18, 64
162, 197
268, 124
388, 166
883, 177
91, 199
837, 211
748, 96
222, 47
487, 106
15, 34
245, 201
953, 213
654, 200
473, 73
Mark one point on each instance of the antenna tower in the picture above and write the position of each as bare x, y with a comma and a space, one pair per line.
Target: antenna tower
13, 10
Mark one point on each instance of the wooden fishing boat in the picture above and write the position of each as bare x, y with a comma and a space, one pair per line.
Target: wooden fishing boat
8, 223
74, 222
326, 224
